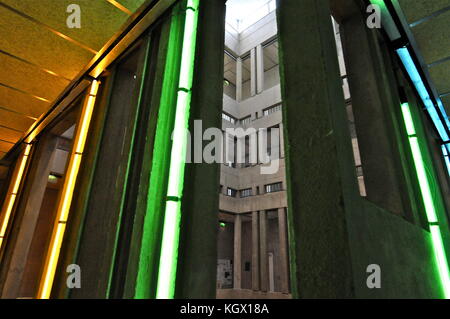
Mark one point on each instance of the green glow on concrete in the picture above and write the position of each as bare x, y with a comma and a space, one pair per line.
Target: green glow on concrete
171, 230
141, 85
428, 200
149, 254
441, 258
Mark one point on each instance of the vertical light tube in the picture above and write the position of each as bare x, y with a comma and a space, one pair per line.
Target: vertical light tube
428, 200
446, 158
62, 214
172, 217
151, 243
12, 193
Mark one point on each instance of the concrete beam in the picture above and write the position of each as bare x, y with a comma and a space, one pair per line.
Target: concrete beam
253, 81
239, 79
255, 251
237, 259
263, 258
284, 259
259, 69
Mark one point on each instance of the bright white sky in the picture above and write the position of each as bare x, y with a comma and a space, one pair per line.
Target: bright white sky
244, 10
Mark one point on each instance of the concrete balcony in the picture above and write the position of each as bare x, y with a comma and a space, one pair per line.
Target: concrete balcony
253, 203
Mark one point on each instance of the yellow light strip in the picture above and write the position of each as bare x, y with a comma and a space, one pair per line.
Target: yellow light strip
12, 193
53, 252
120, 7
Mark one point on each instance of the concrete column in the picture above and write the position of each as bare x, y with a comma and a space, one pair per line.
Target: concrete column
255, 251
239, 79
263, 262
253, 72
370, 100
284, 259
237, 260
281, 140
197, 270
259, 69
320, 152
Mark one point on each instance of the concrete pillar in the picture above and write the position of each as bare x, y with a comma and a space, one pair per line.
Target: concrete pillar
255, 251
197, 270
259, 69
263, 261
369, 93
281, 140
253, 72
320, 152
237, 260
284, 259
239, 79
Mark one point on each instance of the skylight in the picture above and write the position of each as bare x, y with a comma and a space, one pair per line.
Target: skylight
241, 14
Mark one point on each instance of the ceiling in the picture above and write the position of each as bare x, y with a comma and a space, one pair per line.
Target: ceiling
429, 23
40, 55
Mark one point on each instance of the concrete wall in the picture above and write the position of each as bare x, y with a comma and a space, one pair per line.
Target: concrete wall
336, 232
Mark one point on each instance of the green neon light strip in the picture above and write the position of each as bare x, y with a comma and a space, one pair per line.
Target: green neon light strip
430, 207
410, 129
441, 258
423, 180
172, 217
150, 245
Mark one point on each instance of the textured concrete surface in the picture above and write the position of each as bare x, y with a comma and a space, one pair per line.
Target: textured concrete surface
335, 233
311, 90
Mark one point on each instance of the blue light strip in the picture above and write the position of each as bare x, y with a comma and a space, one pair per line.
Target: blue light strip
446, 158
411, 68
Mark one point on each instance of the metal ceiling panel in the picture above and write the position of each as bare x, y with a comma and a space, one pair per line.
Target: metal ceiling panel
38, 45
131, 5
5, 146
21, 103
18, 74
9, 135
14, 121
99, 18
